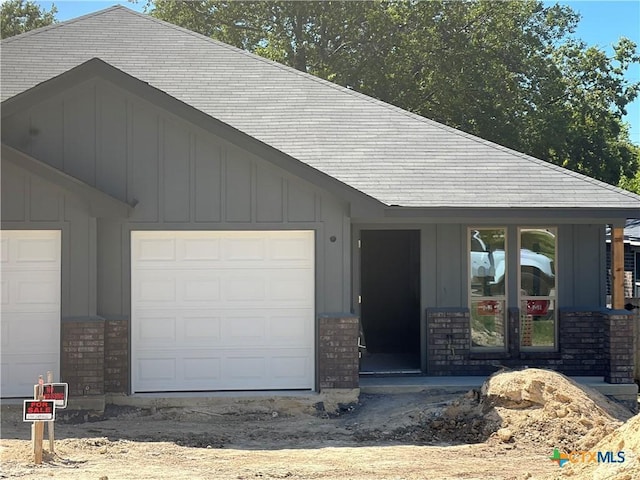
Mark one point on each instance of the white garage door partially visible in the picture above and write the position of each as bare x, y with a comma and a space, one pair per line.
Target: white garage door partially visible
30, 312
222, 310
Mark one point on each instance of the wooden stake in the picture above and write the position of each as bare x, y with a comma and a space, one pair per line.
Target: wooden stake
50, 423
38, 427
617, 268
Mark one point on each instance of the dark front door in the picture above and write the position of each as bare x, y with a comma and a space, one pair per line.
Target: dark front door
390, 299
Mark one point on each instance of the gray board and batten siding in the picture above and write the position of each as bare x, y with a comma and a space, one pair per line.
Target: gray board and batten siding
179, 177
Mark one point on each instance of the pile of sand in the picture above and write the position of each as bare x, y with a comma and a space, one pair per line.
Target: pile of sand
540, 408
547, 408
625, 439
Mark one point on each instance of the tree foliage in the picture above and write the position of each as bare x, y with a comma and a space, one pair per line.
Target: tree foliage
18, 16
510, 72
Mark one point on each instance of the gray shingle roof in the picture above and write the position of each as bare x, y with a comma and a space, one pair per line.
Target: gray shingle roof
387, 153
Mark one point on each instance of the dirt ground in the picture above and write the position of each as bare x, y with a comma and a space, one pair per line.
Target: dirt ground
506, 431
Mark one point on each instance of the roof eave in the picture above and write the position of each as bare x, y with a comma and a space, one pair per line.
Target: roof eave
608, 215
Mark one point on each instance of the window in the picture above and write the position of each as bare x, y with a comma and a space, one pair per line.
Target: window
487, 287
538, 297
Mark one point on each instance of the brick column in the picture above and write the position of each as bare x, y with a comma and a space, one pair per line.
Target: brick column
116, 357
82, 359
448, 341
338, 360
618, 347
582, 334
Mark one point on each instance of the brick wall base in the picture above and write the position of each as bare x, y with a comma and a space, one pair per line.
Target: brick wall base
591, 343
338, 359
618, 347
116, 357
82, 357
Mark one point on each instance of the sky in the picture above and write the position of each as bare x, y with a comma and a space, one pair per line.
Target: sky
603, 23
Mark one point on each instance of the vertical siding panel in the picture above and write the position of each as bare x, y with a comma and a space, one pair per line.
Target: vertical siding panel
238, 198
44, 203
269, 196
111, 164
587, 289
330, 255
80, 133
47, 132
14, 194
564, 268
449, 265
76, 238
429, 267
175, 191
145, 164
208, 181
16, 131
300, 203
111, 282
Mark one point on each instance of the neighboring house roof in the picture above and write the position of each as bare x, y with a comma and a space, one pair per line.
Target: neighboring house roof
394, 156
631, 232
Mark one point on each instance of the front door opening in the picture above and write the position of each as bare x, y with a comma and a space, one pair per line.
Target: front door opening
390, 301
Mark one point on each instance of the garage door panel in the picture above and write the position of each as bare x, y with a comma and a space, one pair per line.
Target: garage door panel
291, 366
199, 250
153, 289
28, 331
4, 251
176, 328
226, 369
152, 250
231, 310
4, 292
158, 330
30, 308
36, 292
201, 288
244, 248
204, 329
157, 370
286, 329
203, 370
290, 287
37, 250
291, 250
20, 374
245, 289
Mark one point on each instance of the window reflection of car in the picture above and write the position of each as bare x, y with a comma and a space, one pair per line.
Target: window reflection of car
488, 267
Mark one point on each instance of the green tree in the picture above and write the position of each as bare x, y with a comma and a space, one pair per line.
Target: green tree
509, 72
18, 16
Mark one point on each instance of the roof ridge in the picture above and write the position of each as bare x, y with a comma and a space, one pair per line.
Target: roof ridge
64, 23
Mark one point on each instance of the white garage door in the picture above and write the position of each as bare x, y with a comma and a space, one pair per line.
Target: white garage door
222, 310
30, 316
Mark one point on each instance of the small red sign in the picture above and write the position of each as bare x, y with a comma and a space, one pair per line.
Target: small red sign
57, 392
537, 307
488, 307
34, 410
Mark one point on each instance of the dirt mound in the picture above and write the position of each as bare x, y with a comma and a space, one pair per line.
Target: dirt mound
624, 439
547, 408
539, 407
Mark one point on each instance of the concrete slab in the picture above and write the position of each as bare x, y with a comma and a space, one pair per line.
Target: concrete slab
625, 393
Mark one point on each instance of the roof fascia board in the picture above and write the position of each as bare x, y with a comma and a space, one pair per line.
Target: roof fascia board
101, 204
609, 216
98, 68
